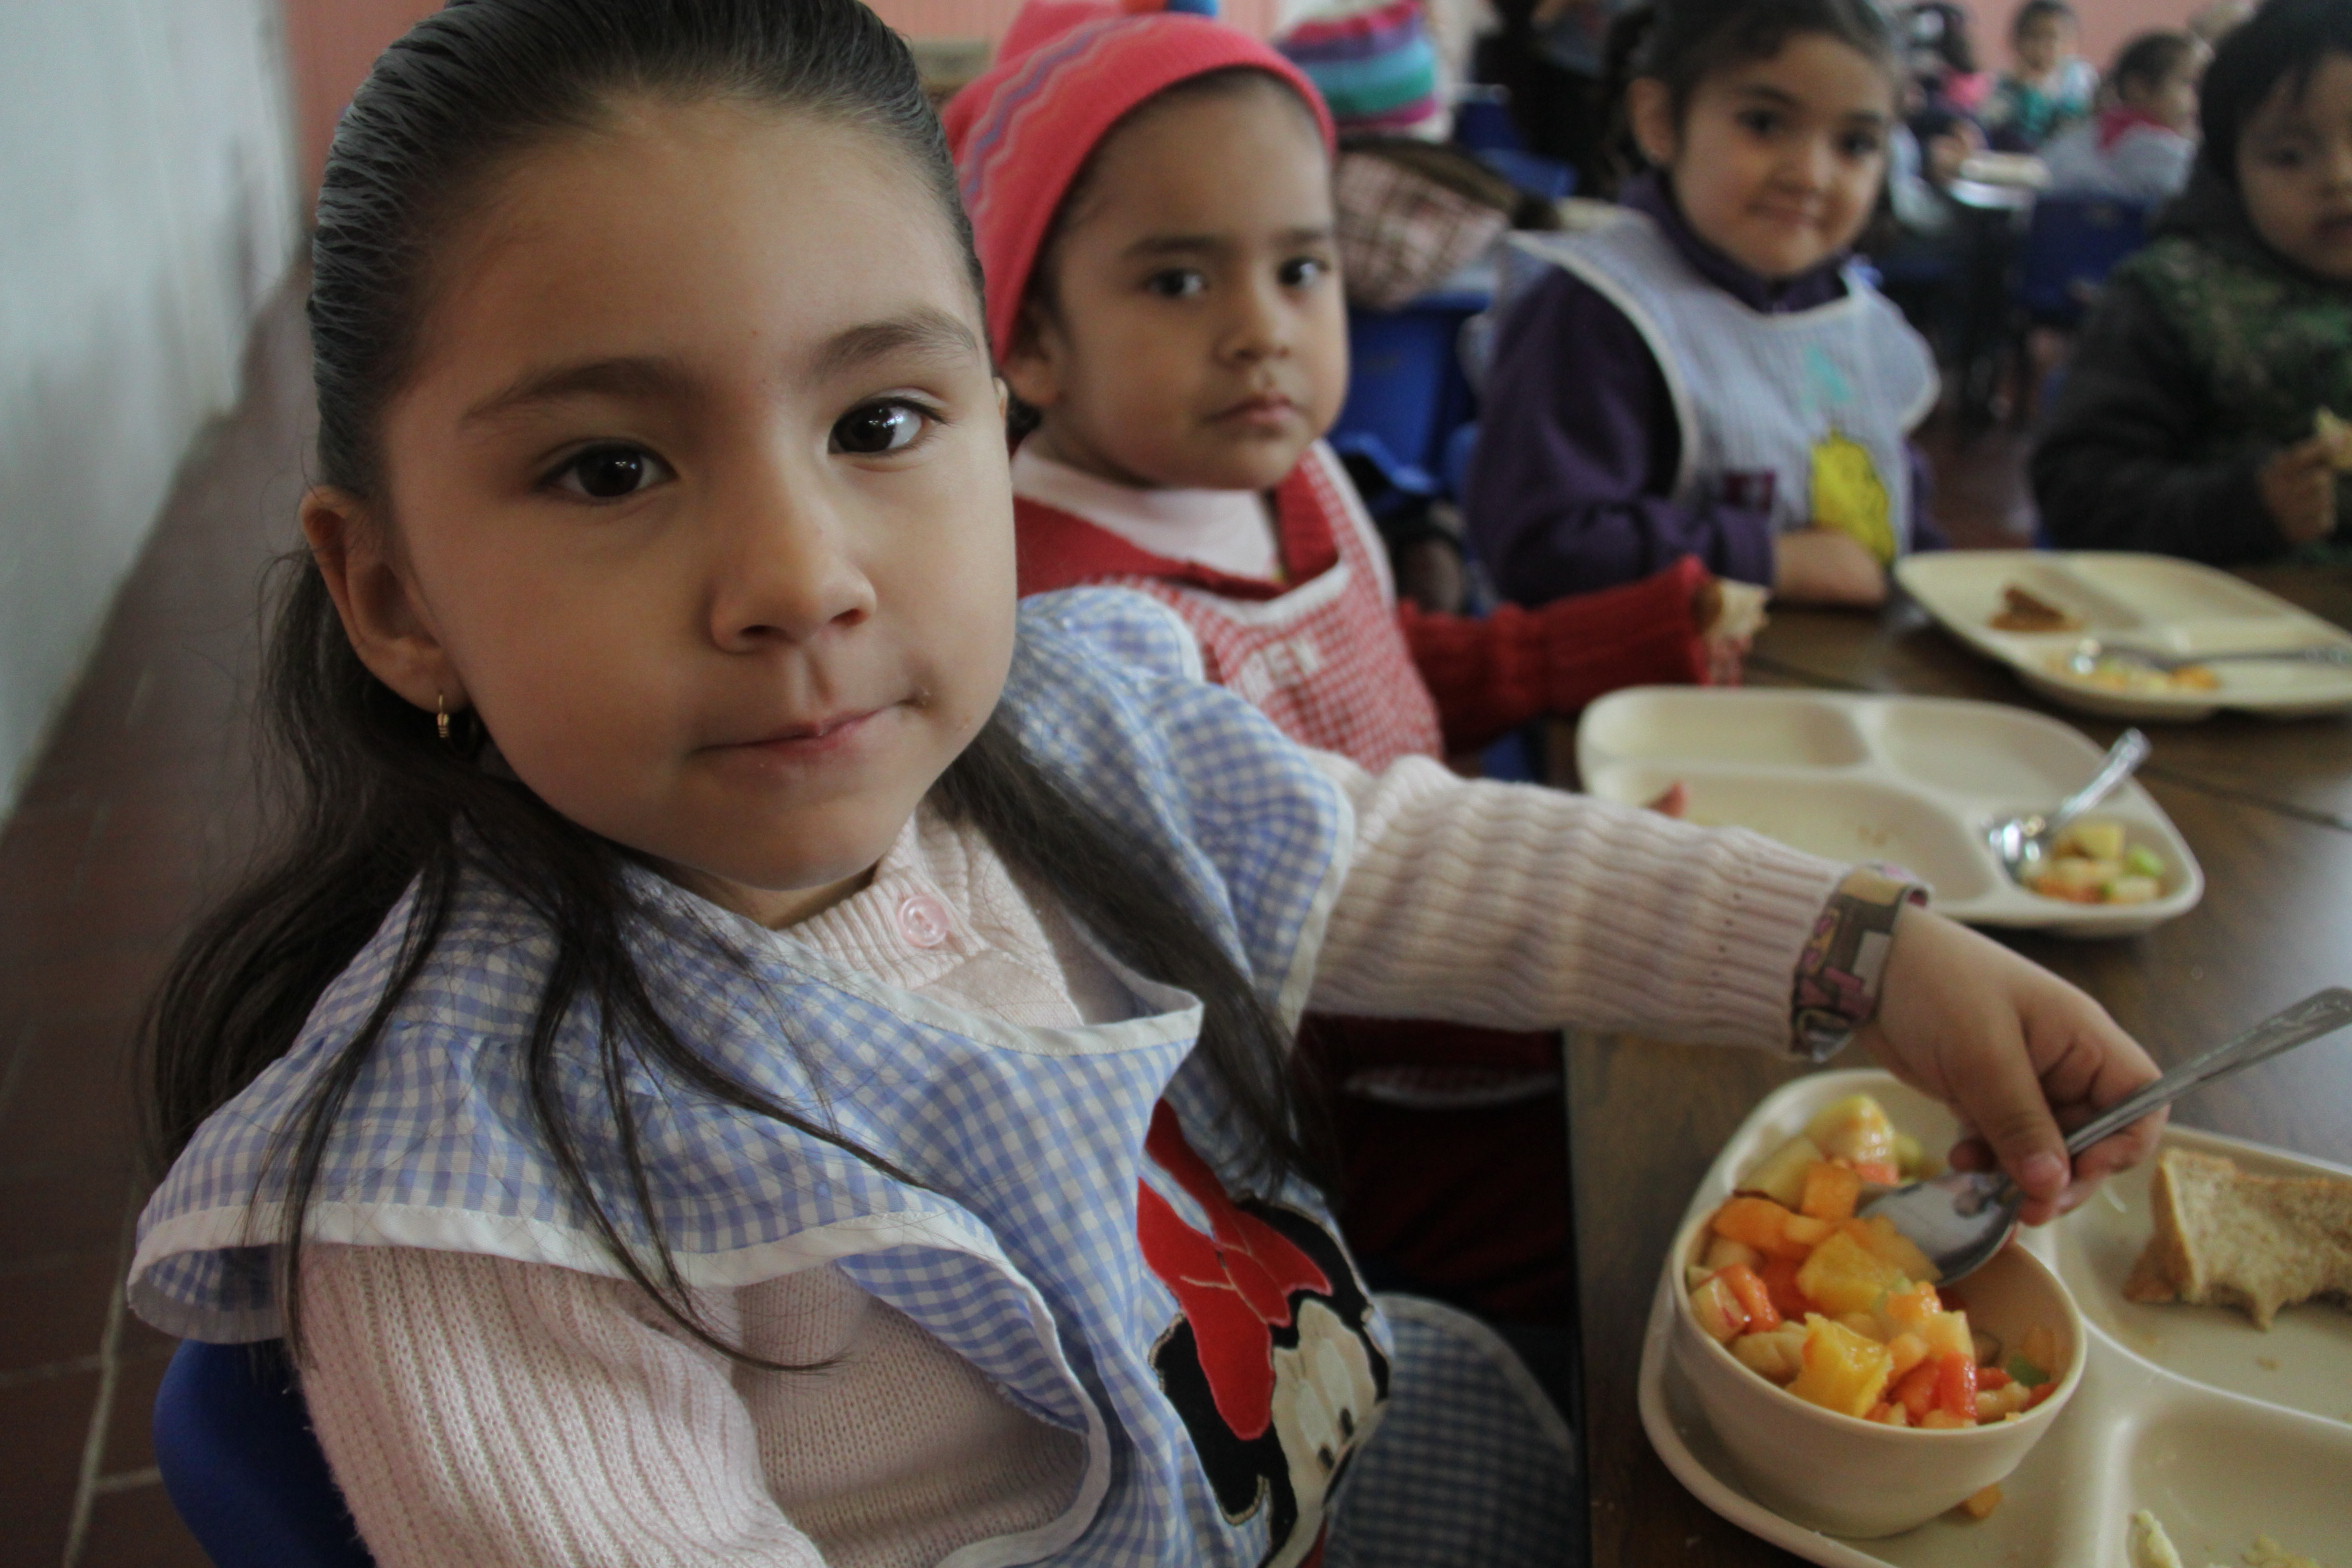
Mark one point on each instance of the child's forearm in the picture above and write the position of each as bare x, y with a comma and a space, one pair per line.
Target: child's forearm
2097, 495
1578, 449
1516, 907
1562, 547
1926, 532
1494, 673
2112, 472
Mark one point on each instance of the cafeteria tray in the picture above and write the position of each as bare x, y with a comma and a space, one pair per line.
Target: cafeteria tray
2221, 1430
2157, 602
1912, 780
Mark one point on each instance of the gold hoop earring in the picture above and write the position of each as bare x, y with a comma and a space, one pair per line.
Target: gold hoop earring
441, 717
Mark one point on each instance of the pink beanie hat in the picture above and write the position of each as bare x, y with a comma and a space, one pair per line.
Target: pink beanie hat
1065, 74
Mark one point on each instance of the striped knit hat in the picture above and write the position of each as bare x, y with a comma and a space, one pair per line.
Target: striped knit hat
1066, 73
1374, 64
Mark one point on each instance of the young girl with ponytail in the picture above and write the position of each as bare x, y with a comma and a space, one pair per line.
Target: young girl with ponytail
1711, 374
753, 1049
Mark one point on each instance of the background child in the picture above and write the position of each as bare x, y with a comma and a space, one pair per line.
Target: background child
2141, 145
1708, 376
1181, 373
2187, 421
1374, 64
1941, 61
2048, 88
1151, 197
2213, 22
753, 1049
1549, 56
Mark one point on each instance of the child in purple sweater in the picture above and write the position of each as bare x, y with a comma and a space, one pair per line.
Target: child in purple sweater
1707, 376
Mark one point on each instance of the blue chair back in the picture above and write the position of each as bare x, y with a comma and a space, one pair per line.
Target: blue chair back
1461, 450
243, 1467
2071, 244
1407, 393
1530, 173
1483, 123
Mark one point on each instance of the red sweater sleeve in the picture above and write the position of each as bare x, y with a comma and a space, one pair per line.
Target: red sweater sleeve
1493, 673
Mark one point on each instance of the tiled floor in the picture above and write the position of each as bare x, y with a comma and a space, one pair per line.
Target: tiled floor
145, 795
142, 794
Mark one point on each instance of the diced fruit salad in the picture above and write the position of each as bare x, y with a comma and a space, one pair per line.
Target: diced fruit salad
2129, 676
2091, 864
1844, 1312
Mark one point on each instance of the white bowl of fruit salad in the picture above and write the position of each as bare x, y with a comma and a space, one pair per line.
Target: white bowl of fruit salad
1852, 1394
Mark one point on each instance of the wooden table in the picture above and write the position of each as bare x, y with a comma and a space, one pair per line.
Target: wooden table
2268, 809
2303, 767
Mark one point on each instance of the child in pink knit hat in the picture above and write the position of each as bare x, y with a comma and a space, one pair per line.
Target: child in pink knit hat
1150, 196
1177, 444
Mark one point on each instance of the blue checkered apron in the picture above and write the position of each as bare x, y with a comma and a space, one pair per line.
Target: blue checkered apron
1022, 1255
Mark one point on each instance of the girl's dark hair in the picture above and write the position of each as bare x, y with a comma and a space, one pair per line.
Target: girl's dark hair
2282, 42
374, 804
2151, 57
1683, 42
2033, 11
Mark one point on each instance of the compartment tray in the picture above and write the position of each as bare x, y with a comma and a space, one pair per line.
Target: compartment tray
2215, 1463
1912, 780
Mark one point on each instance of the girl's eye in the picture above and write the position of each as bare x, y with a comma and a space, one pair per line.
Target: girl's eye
1176, 283
607, 473
876, 428
1302, 271
1759, 122
1862, 144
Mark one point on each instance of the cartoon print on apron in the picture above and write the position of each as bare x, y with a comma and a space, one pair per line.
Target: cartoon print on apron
1271, 1360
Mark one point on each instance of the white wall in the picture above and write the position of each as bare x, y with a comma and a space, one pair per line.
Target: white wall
146, 206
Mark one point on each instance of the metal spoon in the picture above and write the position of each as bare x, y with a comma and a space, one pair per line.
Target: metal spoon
2020, 840
2087, 654
1962, 1218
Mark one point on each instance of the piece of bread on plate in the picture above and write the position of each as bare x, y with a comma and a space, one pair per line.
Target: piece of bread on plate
2224, 1237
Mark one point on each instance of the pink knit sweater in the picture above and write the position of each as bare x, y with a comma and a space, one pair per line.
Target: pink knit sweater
485, 1413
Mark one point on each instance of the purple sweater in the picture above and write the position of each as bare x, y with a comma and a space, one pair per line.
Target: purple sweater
1572, 485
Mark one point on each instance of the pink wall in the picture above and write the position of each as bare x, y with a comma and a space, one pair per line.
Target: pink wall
2106, 25
331, 44
987, 18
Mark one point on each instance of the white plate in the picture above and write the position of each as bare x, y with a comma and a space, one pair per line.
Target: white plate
1913, 780
2187, 1422
2020, 169
2148, 601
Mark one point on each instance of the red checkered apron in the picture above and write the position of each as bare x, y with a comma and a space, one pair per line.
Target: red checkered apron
1320, 654
1470, 1203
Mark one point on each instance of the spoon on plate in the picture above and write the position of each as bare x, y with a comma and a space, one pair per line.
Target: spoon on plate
2018, 841
2088, 654
1961, 1218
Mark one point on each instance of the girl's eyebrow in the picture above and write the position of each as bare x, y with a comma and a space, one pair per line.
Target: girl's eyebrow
1213, 244
1781, 98
925, 331
643, 378
1179, 245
